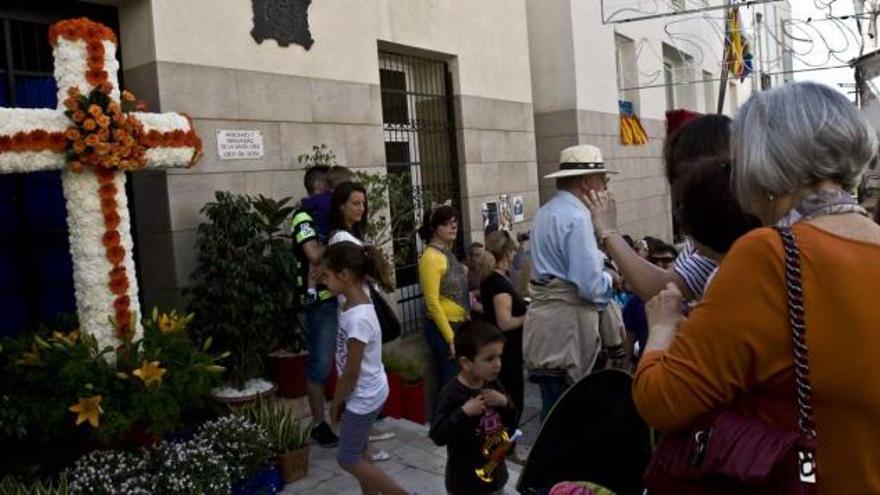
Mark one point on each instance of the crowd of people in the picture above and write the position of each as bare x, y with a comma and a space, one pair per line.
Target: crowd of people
778, 268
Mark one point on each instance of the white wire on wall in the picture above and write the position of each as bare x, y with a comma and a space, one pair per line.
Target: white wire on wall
810, 42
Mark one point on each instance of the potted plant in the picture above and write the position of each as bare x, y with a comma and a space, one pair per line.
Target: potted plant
111, 471
78, 399
393, 367
288, 360
288, 436
189, 467
242, 290
244, 446
413, 392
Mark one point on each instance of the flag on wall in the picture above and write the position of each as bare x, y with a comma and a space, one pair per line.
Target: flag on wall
739, 53
631, 130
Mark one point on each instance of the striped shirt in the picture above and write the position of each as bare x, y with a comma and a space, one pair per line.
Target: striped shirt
695, 269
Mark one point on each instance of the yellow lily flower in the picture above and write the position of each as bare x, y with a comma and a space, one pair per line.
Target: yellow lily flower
69, 339
166, 323
88, 409
149, 372
31, 358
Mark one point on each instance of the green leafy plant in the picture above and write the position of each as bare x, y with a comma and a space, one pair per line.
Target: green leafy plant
393, 363
411, 371
76, 393
242, 291
239, 442
394, 206
12, 486
320, 155
286, 431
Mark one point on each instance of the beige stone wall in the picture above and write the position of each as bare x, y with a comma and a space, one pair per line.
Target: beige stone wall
198, 57
293, 114
497, 150
641, 189
216, 33
574, 81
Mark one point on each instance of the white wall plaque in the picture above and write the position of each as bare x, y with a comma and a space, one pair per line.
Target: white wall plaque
239, 145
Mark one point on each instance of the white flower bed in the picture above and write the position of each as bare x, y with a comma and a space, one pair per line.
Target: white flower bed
162, 122
169, 157
31, 161
251, 387
71, 64
91, 269
14, 120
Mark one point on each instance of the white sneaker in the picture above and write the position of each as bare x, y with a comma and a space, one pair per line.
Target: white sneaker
381, 456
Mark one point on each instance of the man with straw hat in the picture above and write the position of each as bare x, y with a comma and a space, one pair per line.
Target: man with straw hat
569, 285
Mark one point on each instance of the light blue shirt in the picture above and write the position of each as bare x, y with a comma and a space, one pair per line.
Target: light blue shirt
564, 246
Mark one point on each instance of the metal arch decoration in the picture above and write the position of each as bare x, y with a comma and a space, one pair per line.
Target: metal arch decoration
285, 21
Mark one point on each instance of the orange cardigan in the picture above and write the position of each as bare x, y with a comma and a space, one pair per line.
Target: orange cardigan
735, 350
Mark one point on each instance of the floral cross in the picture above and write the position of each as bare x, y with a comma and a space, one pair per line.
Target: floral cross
95, 140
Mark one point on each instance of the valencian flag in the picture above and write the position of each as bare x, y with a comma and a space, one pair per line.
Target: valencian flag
631, 130
739, 53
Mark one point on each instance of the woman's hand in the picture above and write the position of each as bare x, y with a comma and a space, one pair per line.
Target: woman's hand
664, 314
603, 209
452, 351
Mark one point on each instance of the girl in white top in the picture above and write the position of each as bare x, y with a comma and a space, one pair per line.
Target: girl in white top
363, 386
349, 210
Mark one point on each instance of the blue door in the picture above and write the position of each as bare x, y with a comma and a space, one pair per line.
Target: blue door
36, 272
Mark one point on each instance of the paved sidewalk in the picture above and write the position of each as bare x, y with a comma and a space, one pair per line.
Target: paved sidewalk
416, 463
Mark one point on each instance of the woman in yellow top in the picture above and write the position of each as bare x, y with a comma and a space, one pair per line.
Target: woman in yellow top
444, 286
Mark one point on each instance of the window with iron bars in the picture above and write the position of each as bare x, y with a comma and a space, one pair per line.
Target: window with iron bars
419, 135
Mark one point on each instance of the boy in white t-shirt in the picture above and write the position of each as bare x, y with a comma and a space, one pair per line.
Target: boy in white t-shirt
363, 386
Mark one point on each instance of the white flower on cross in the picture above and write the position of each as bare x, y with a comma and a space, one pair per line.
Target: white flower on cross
97, 207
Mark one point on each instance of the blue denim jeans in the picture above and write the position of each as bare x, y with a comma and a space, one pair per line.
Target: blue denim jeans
552, 387
321, 325
446, 368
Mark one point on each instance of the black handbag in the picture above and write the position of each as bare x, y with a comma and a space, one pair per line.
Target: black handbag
388, 321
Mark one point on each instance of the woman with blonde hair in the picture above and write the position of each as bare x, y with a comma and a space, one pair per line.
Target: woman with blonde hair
504, 308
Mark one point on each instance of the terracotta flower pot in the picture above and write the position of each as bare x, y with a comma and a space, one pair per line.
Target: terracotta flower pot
394, 404
289, 372
294, 464
414, 401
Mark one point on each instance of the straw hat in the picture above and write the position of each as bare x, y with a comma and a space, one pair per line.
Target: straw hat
583, 159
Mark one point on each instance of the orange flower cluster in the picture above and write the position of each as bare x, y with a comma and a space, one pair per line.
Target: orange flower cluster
38, 140
102, 136
197, 141
80, 28
94, 34
115, 252
173, 139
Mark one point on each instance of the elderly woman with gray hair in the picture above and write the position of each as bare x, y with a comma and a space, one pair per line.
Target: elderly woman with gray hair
796, 151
